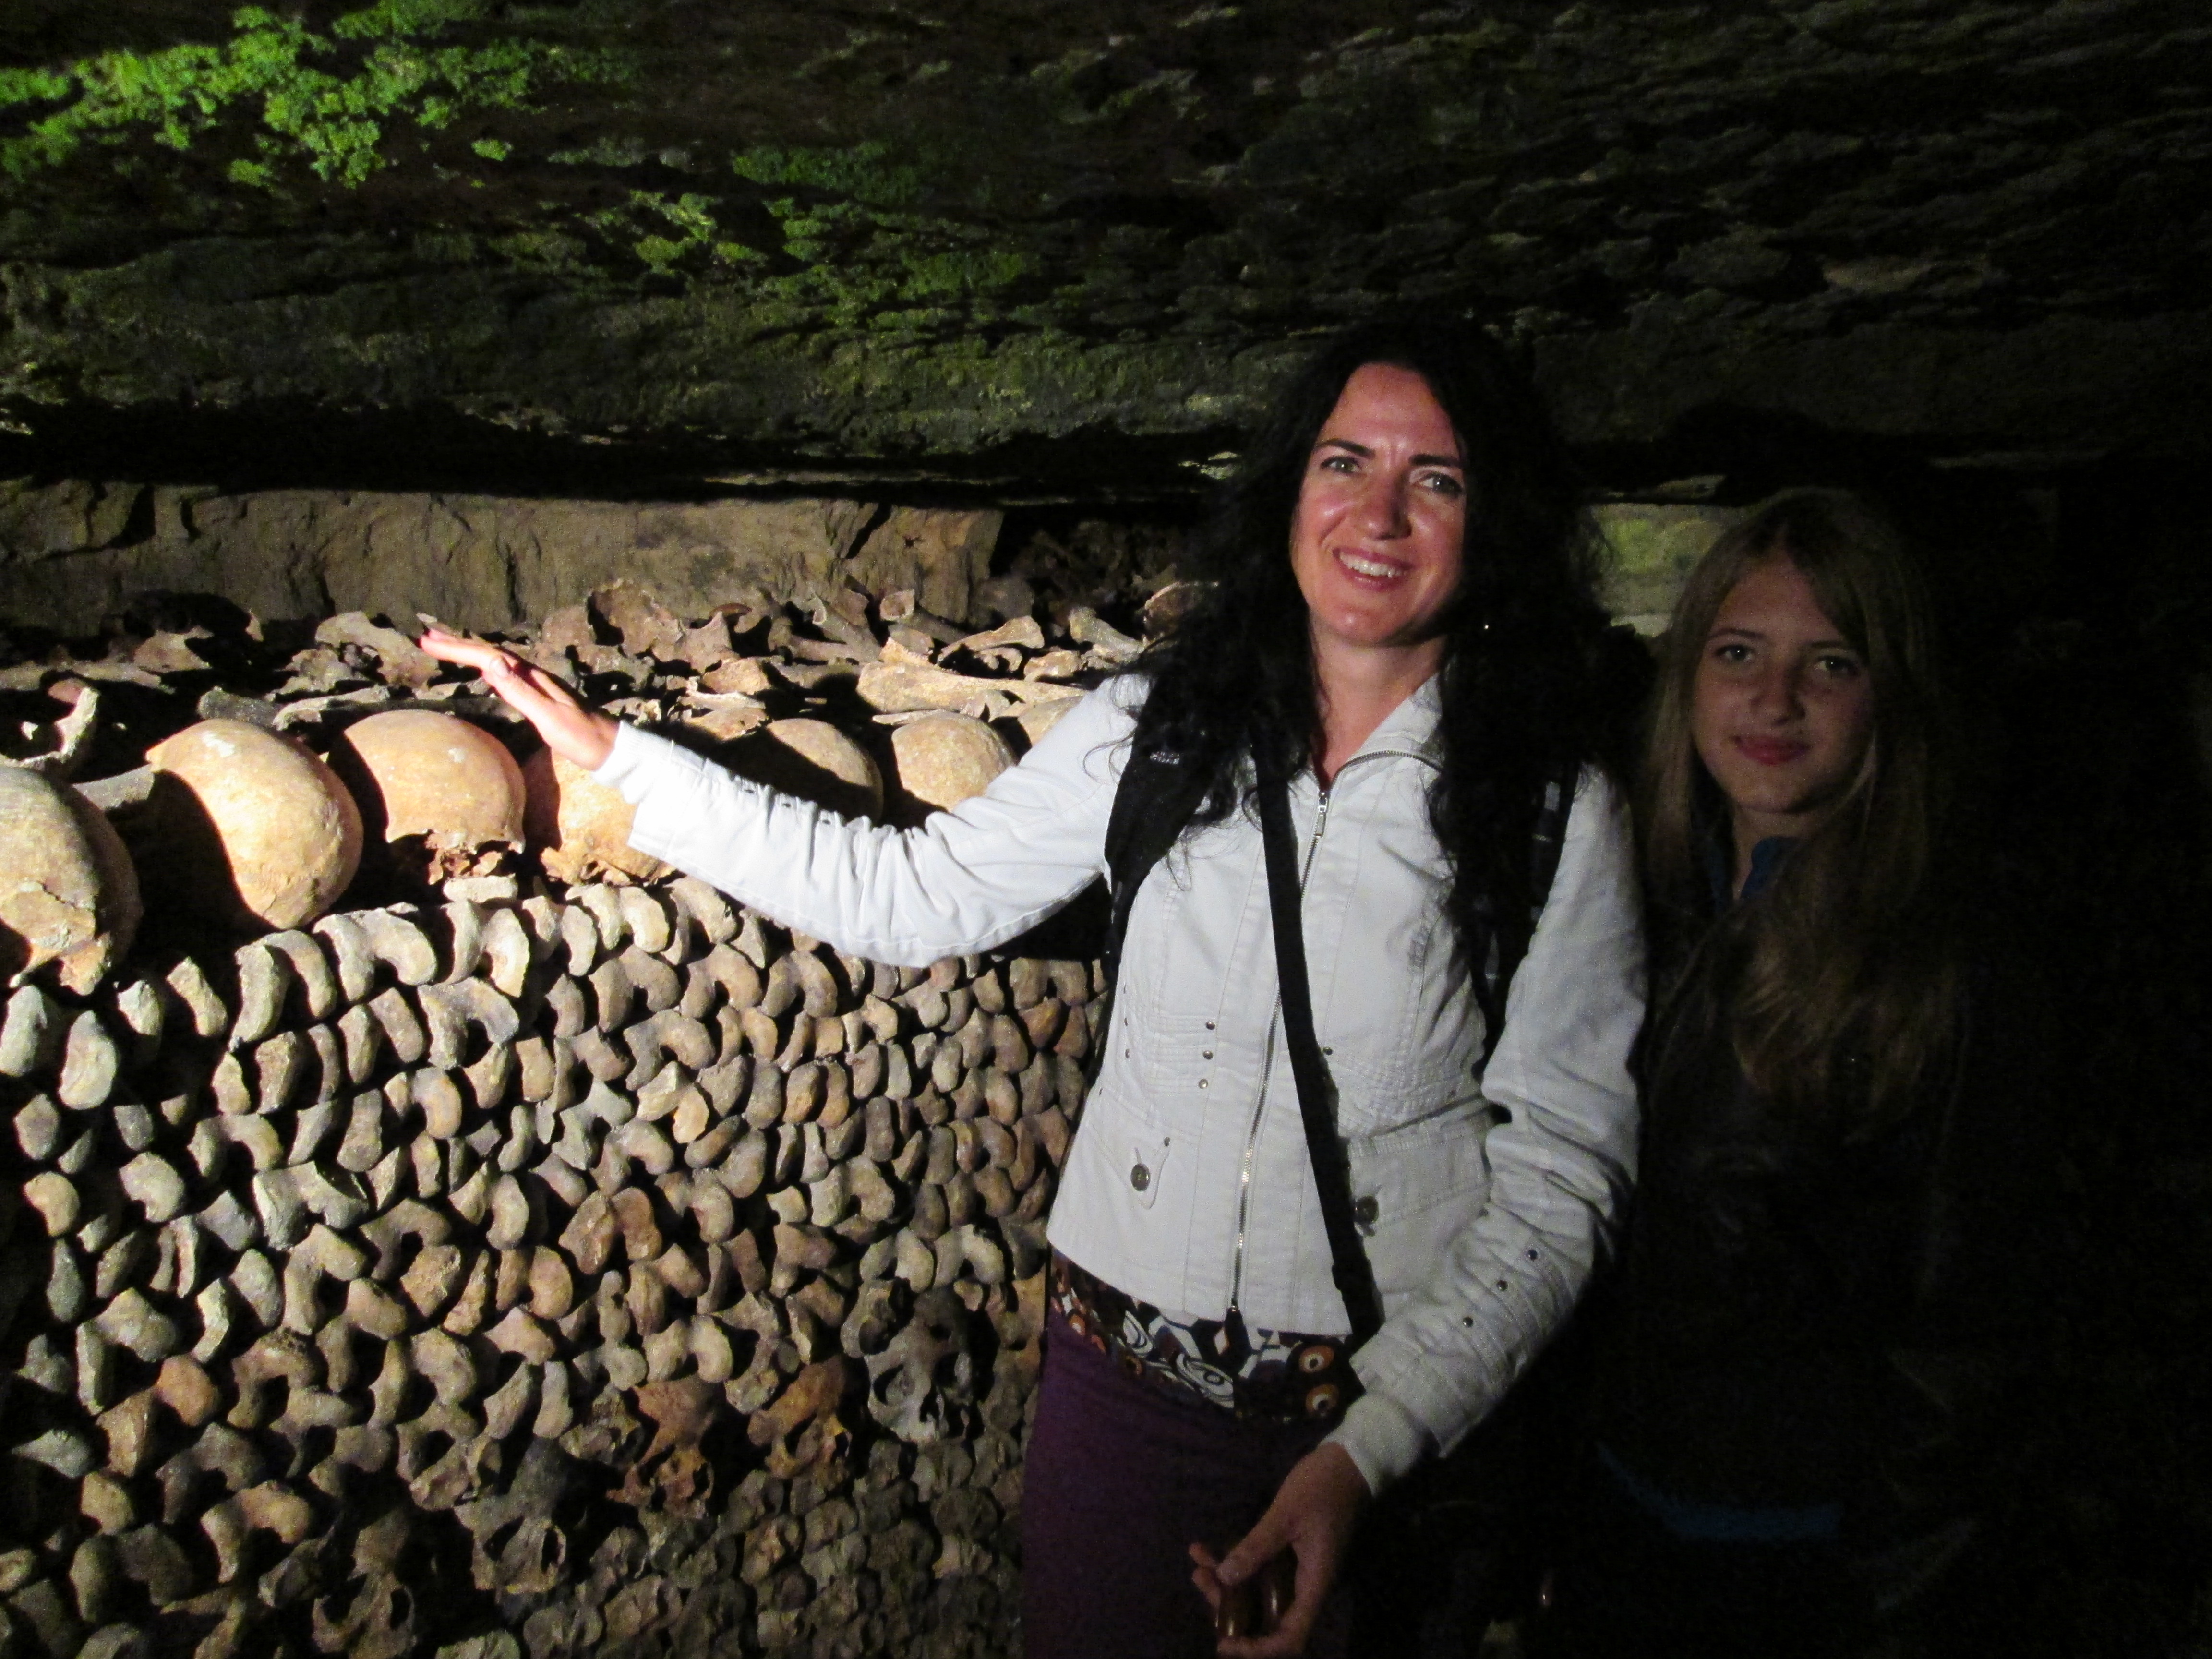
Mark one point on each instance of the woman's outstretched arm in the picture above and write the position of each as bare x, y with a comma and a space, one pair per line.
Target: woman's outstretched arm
965, 880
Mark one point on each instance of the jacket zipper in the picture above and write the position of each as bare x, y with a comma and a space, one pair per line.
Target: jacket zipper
1267, 1070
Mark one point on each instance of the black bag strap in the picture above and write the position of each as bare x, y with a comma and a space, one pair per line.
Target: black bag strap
1547, 839
1325, 1149
1547, 843
1153, 803
1332, 1166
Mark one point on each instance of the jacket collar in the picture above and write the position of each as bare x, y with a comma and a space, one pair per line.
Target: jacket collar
1412, 730
1767, 857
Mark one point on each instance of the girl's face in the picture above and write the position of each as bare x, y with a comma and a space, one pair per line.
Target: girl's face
1382, 515
1782, 708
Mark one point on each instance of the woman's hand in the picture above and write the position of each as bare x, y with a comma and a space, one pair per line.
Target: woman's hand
579, 735
1315, 1511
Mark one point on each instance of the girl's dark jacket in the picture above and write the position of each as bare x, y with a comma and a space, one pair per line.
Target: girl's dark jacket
1808, 1317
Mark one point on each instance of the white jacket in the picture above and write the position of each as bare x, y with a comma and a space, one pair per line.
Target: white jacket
1494, 1190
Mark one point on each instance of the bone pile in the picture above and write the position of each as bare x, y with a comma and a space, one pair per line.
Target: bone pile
548, 1263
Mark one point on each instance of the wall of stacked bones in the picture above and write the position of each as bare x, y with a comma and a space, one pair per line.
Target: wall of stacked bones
432, 1229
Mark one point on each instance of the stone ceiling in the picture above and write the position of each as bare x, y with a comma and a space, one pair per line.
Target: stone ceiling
1051, 250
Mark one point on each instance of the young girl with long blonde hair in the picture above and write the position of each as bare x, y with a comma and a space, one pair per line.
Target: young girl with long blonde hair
1800, 1414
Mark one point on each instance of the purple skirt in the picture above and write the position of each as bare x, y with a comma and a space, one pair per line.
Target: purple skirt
1122, 1477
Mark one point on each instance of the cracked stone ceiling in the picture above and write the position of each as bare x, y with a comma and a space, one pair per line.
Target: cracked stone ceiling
1044, 249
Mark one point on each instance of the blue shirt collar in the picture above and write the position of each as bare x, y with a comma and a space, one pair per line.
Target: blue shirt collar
1766, 858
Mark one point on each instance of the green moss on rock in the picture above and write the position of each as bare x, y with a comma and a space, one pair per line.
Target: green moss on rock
328, 101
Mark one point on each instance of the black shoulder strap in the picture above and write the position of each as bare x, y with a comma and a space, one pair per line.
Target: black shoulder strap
1152, 804
1546, 841
1325, 1150
1550, 836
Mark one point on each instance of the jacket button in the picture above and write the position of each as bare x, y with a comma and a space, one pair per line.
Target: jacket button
1206, 1054
1503, 1287
1209, 1025
1202, 1083
1139, 1176
1366, 1210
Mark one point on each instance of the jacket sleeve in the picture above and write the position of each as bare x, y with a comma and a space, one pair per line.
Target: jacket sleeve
1561, 1164
966, 880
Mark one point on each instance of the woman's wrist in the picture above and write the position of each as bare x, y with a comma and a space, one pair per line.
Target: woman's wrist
592, 745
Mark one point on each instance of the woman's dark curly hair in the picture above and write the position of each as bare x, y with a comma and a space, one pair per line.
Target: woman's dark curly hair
1520, 680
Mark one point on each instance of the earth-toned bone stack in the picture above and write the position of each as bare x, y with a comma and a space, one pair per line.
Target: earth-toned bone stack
555, 1273
560, 1260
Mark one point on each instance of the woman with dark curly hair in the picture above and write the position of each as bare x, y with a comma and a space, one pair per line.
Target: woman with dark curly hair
1398, 659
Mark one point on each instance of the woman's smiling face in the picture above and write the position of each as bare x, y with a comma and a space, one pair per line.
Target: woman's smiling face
1782, 708
1376, 541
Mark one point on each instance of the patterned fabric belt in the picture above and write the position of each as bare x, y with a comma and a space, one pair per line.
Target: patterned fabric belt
1262, 1377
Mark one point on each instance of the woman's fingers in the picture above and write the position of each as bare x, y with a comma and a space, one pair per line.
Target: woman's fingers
1203, 1576
1314, 1514
479, 654
1288, 1639
576, 733
528, 689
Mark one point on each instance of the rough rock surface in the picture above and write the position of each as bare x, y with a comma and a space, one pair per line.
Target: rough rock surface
71, 551
1061, 248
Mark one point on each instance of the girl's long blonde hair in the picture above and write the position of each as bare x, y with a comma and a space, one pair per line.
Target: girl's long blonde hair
1840, 981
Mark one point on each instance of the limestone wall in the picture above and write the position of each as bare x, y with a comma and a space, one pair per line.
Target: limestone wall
74, 550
